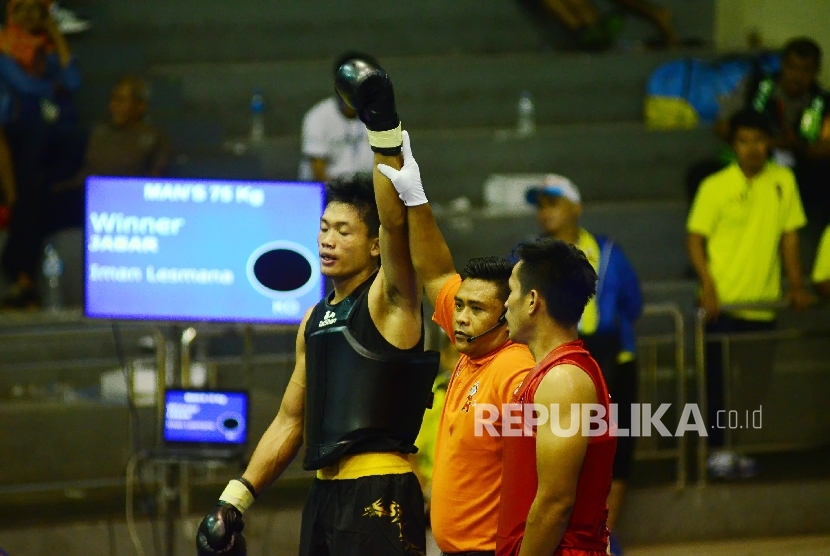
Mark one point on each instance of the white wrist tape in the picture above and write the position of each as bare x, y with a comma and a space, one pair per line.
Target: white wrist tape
237, 495
388, 139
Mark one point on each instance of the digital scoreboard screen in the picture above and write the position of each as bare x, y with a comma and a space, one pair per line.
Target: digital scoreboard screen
205, 417
201, 250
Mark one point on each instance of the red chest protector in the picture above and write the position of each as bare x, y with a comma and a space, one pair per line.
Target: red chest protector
587, 531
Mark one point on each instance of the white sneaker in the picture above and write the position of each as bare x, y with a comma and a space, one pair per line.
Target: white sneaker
721, 464
68, 22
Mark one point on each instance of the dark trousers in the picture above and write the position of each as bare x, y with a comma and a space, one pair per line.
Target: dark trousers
42, 154
621, 379
760, 367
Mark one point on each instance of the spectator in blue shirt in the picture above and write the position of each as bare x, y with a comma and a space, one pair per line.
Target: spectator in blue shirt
38, 76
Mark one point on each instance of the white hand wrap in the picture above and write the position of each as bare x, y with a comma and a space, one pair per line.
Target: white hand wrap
388, 139
407, 180
237, 495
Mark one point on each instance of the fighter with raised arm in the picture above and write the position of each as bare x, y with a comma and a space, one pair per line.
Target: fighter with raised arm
470, 308
362, 380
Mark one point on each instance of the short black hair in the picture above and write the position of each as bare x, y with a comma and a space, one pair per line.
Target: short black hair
749, 118
358, 192
351, 55
803, 47
490, 269
561, 274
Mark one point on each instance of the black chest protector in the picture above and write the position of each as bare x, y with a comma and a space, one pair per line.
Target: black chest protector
360, 399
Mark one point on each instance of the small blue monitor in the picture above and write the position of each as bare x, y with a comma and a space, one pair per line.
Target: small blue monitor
205, 417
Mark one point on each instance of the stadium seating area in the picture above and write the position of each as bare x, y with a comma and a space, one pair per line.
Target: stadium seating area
458, 67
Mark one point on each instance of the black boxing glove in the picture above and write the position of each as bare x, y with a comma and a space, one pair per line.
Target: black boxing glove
368, 90
220, 532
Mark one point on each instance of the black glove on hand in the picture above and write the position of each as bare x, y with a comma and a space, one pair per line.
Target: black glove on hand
367, 88
221, 532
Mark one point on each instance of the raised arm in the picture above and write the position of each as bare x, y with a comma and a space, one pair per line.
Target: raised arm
221, 530
399, 280
367, 88
430, 254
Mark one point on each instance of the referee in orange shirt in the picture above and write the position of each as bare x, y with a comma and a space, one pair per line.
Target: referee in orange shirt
466, 479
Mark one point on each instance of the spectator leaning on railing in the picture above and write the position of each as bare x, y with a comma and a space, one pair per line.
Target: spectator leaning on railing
743, 221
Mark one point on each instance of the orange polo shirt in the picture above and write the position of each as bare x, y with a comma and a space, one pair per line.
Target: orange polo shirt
466, 477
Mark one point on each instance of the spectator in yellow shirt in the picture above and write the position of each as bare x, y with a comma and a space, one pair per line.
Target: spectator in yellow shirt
425, 458
743, 222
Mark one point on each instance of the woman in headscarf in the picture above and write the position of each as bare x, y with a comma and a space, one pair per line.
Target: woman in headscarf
37, 76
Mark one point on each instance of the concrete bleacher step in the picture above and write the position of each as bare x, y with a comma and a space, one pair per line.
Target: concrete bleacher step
651, 233
216, 30
434, 92
622, 161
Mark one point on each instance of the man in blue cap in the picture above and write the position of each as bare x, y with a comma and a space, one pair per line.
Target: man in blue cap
607, 325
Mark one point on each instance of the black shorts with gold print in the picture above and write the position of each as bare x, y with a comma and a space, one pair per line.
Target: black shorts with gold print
375, 515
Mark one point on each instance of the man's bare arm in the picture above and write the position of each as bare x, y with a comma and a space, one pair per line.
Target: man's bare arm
400, 282
559, 460
798, 295
696, 247
430, 253
283, 438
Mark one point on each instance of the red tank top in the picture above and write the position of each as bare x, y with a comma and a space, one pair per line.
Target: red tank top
586, 532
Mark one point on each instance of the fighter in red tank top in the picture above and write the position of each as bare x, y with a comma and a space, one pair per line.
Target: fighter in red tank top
586, 533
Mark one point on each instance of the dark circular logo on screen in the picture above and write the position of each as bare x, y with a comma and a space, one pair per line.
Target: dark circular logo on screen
283, 270
230, 424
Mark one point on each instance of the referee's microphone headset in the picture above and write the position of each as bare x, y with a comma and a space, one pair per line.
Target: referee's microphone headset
502, 320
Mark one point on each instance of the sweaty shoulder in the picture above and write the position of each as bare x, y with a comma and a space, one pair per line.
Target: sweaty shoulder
445, 305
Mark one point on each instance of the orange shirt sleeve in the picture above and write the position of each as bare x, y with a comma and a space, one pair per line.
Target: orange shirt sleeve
445, 305
517, 362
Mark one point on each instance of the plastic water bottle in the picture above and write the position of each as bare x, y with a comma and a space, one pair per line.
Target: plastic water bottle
526, 115
257, 117
52, 272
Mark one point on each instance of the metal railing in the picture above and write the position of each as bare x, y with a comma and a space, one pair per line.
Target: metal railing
649, 370
727, 341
